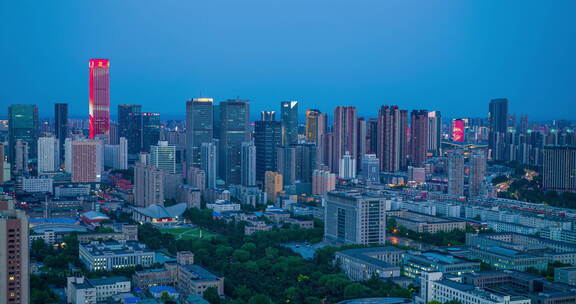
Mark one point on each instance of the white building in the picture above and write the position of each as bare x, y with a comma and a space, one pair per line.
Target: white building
163, 156
116, 156
48, 155
80, 290
223, 206
347, 166
370, 168
37, 184
115, 255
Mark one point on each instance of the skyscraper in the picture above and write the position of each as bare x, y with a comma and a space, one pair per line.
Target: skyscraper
456, 173
130, 126
199, 127
99, 97
272, 185
559, 168
355, 218
347, 166
14, 260
20, 162
289, 119
267, 137
392, 140
163, 156
208, 159
434, 133
345, 134
498, 123
2, 163
458, 126
48, 155
234, 118
306, 161
22, 125
315, 125
248, 163
150, 130
61, 126
477, 172
418, 136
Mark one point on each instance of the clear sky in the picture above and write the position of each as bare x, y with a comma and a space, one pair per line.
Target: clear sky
452, 56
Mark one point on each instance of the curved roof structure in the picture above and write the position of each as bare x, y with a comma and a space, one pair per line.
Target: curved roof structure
158, 212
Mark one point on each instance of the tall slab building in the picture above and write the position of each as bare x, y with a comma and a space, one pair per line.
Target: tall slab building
99, 97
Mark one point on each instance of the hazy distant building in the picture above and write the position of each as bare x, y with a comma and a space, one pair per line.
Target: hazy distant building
456, 173
20, 162
315, 125
14, 260
289, 119
248, 164
61, 127
130, 126
559, 168
116, 156
163, 156
148, 185
286, 159
197, 178
498, 123
355, 218
234, 122
150, 130
22, 125
48, 155
477, 172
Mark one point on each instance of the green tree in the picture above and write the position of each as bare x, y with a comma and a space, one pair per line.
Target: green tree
260, 299
356, 290
211, 295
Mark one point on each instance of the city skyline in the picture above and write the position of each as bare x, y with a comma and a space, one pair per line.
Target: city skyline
297, 56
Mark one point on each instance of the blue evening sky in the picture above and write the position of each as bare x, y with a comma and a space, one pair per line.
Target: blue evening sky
452, 56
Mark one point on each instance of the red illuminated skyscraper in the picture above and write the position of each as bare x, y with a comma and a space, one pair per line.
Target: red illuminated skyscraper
99, 114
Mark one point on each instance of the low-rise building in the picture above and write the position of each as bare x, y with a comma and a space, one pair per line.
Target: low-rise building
431, 261
364, 263
80, 290
223, 206
114, 255
565, 275
421, 222
158, 214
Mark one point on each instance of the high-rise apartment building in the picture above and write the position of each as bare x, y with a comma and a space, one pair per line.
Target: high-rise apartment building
559, 168
86, 161
345, 134
289, 119
498, 123
267, 137
315, 125
130, 126
272, 185
163, 156
234, 123
2, 164
48, 155
418, 136
14, 254
456, 173
208, 162
355, 218
148, 185
99, 97
323, 181
248, 164
477, 172
286, 157
199, 127
20, 162
392, 140
22, 125
61, 126
347, 166
434, 133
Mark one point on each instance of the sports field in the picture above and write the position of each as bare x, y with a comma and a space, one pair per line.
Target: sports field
188, 233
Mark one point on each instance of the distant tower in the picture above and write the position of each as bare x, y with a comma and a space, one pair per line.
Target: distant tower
498, 122
208, 159
345, 134
289, 118
434, 132
456, 173
234, 121
392, 140
477, 172
347, 166
86, 162
61, 126
418, 136
22, 125
199, 127
163, 156
287, 164
130, 126
559, 168
370, 168
267, 137
315, 125
458, 126
48, 155
99, 97
150, 130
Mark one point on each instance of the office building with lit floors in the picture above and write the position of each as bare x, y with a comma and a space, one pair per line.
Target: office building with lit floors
355, 218
99, 97
108, 256
14, 260
559, 168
